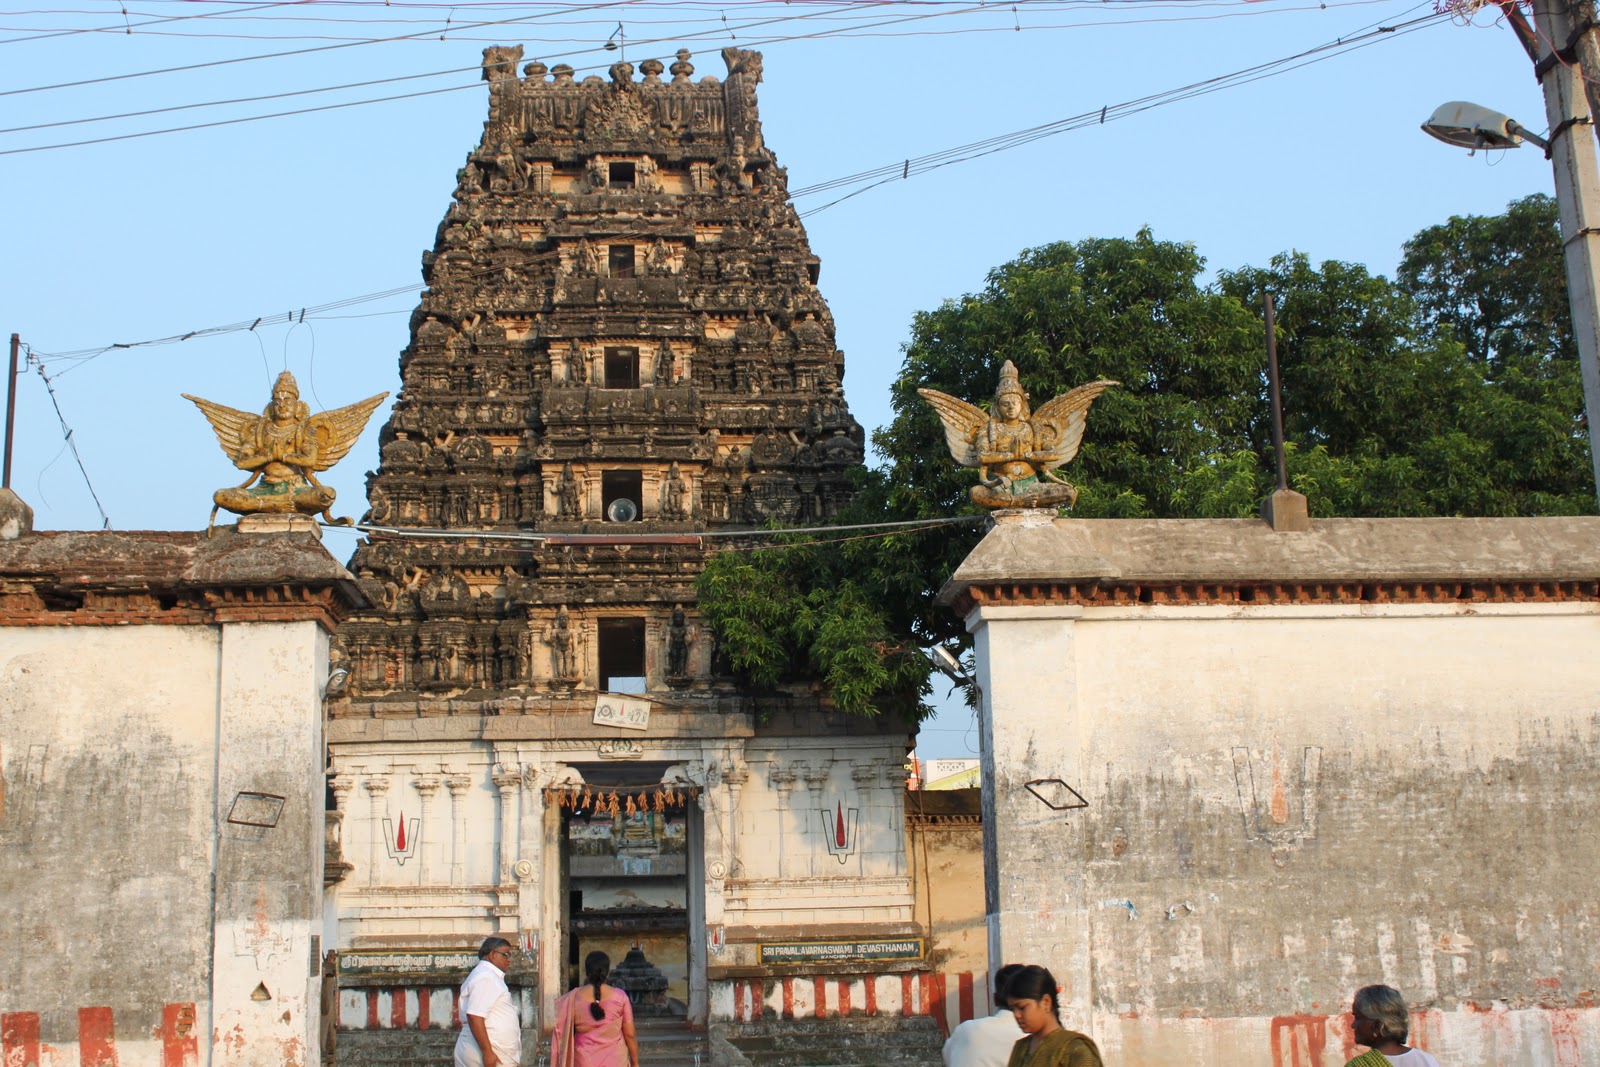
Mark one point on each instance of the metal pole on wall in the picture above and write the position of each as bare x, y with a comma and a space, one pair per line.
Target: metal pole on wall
1275, 386
11, 412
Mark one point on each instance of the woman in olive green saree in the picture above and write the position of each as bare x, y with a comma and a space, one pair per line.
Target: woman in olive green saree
1381, 1022
1031, 994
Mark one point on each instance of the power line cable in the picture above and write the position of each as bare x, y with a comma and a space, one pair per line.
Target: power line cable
904, 169
1034, 6
435, 92
877, 176
129, 27
237, 100
353, 85
384, 99
67, 434
281, 55
411, 77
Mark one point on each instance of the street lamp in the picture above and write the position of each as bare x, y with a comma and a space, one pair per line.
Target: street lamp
1577, 182
1471, 126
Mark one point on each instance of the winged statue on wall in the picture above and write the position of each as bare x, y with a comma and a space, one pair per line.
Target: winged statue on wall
283, 448
1016, 453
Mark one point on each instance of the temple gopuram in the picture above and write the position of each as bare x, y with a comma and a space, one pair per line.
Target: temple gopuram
621, 355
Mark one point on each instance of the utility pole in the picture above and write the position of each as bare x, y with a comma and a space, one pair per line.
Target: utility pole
1553, 42
1585, 45
11, 412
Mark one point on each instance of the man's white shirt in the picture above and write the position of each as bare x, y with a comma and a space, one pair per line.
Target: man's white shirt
486, 995
983, 1042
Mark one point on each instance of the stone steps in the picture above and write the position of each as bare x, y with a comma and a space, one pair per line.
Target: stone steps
395, 1048
667, 1041
663, 1042
846, 1042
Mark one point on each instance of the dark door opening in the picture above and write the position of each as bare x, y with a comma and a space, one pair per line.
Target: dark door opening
621, 260
622, 655
622, 368
625, 847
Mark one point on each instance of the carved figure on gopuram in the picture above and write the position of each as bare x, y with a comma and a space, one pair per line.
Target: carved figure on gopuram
1017, 454
569, 498
673, 492
577, 366
563, 648
283, 448
678, 639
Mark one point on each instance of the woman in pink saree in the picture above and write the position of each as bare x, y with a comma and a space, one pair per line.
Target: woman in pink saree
594, 1023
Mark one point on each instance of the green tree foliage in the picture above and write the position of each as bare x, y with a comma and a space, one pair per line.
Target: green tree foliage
1498, 283
1452, 391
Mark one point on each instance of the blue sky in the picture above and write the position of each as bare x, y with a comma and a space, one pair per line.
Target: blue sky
157, 236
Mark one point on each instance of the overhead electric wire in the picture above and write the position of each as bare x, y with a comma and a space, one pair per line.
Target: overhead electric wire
68, 436
434, 92
282, 55
1032, 6
908, 168
878, 176
876, 4
353, 85
839, 5
237, 100
129, 27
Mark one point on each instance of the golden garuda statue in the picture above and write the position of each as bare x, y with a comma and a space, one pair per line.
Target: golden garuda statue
1017, 455
283, 448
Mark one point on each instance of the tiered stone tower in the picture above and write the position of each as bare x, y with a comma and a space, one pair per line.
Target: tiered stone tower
622, 334
621, 349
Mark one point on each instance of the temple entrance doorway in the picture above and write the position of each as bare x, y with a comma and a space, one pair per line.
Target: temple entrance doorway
627, 840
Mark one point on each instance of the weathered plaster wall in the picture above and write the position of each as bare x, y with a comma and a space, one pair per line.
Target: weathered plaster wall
121, 751
1286, 802
1234, 773
106, 826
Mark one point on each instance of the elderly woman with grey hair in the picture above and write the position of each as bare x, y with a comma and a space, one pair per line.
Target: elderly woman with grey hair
1382, 1023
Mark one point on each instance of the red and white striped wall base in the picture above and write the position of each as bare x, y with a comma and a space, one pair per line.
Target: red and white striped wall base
175, 1042
950, 998
399, 1008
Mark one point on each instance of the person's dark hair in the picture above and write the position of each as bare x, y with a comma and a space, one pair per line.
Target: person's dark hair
1002, 979
1035, 983
1385, 1008
492, 944
596, 969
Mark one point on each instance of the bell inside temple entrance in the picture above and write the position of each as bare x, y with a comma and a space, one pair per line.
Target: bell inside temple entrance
626, 861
